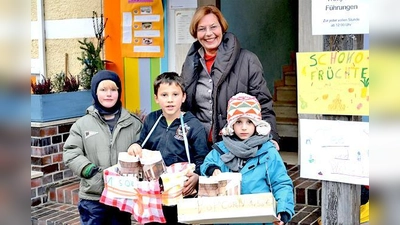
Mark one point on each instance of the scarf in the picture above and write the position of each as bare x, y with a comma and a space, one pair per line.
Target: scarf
241, 150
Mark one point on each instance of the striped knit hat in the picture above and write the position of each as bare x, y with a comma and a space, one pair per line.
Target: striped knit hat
247, 106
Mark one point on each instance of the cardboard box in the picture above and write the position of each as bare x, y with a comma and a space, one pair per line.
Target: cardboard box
250, 208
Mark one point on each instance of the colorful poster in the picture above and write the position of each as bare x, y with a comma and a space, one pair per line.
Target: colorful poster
335, 151
142, 28
333, 83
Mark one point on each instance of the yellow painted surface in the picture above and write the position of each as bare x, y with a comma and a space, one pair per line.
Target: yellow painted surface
132, 89
60, 9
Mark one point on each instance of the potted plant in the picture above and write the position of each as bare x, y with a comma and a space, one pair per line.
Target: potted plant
57, 99
91, 54
61, 97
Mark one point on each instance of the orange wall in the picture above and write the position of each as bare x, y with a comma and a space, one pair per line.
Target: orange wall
112, 45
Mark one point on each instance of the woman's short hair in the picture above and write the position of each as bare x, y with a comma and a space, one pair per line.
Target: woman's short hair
201, 12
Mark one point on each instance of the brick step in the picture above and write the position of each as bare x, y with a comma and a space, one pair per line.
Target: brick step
58, 213
66, 193
55, 213
305, 215
307, 191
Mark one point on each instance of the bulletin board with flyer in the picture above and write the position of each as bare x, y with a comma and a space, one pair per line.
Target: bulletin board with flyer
142, 28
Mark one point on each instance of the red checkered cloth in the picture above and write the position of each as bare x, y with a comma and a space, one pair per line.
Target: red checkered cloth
144, 201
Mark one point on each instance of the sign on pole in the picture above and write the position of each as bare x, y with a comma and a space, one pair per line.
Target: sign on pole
335, 150
340, 17
333, 83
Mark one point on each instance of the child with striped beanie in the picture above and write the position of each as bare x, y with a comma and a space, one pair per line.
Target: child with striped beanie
246, 148
245, 106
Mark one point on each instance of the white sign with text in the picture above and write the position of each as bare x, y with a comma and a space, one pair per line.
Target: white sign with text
335, 150
340, 17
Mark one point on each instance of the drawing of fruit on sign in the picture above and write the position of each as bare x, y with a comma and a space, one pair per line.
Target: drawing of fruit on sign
364, 89
351, 90
325, 96
303, 103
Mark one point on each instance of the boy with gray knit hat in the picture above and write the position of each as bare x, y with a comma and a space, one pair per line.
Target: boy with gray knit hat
246, 148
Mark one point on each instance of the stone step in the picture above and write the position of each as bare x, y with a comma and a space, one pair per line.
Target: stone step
286, 109
290, 78
287, 127
286, 93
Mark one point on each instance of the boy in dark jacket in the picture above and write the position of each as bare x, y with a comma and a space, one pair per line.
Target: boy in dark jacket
162, 131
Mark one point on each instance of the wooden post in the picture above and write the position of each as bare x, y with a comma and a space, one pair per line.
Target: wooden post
66, 64
340, 202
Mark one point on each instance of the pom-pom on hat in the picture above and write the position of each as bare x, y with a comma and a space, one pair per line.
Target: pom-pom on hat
247, 106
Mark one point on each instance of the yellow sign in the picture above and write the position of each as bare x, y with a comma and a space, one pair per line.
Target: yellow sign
333, 83
142, 28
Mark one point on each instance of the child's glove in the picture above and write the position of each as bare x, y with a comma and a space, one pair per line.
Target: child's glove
284, 217
89, 170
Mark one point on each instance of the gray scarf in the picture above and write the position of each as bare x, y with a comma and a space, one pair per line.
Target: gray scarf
241, 150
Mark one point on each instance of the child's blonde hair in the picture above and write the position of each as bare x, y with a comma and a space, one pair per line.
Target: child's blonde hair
107, 84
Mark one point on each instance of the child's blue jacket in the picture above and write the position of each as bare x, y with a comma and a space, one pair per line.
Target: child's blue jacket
260, 173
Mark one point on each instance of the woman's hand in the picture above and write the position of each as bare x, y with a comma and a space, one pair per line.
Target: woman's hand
190, 185
276, 145
135, 150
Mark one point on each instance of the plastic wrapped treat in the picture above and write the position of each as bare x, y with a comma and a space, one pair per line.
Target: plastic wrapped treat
153, 164
129, 165
229, 183
208, 187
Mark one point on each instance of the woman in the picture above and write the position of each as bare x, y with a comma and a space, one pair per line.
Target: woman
216, 68
93, 145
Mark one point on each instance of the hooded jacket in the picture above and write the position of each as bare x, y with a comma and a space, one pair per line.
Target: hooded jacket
236, 70
169, 140
261, 173
91, 141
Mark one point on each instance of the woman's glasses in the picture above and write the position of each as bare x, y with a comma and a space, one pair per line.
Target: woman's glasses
212, 28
